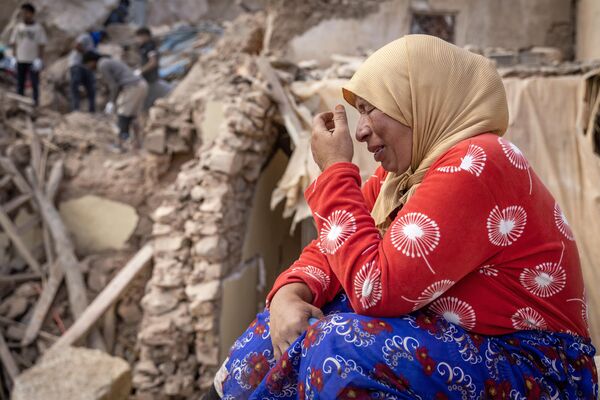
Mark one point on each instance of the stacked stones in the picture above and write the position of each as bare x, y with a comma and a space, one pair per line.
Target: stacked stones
198, 236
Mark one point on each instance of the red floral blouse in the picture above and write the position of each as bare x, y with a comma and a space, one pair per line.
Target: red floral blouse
481, 242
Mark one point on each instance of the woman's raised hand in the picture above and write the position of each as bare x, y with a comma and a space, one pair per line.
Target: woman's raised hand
290, 310
331, 141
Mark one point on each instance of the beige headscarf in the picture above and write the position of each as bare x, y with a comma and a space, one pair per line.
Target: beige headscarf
444, 93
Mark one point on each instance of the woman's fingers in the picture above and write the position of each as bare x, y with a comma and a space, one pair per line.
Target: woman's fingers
320, 121
340, 119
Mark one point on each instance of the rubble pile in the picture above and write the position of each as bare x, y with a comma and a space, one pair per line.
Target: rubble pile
53, 162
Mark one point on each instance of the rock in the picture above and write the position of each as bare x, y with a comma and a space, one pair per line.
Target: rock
156, 141
207, 354
129, 312
225, 161
75, 373
158, 301
211, 247
163, 214
98, 223
168, 243
203, 291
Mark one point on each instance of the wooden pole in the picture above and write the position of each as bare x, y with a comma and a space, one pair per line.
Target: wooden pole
106, 298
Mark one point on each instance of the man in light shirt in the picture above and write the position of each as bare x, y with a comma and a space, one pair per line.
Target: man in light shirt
28, 39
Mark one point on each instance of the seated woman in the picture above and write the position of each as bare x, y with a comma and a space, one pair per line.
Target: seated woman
452, 274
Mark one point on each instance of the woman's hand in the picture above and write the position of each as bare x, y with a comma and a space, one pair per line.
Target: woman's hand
331, 141
290, 310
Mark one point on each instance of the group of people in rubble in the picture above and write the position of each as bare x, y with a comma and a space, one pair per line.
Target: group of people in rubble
131, 91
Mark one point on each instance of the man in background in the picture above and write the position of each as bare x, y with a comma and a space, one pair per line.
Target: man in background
126, 89
28, 39
81, 76
150, 59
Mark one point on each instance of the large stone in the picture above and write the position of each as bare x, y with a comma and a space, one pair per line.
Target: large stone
225, 161
211, 247
203, 291
75, 373
98, 223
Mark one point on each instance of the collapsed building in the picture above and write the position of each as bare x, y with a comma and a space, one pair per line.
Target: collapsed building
216, 190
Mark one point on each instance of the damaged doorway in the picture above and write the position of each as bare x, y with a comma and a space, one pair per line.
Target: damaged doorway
440, 24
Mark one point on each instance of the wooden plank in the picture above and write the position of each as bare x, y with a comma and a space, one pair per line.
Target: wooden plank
4, 181
106, 298
7, 359
10, 168
290, 119
43, 304
65, 256
16, 203
18, 278
21, 326
54, 179
11, 230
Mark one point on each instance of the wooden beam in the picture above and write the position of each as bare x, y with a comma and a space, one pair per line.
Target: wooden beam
290, 119
11, 230
18, 278
10, 168
16, 203
108, 296
7, 359
65, 255
43, 304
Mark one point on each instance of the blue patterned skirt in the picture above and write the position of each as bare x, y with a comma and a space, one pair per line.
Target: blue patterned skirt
417, 356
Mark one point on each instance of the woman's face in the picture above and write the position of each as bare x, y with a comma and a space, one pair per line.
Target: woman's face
388, 140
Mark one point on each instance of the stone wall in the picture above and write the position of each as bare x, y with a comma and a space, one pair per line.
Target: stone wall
198, 240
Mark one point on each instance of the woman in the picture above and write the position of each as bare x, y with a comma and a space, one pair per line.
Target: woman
452, 273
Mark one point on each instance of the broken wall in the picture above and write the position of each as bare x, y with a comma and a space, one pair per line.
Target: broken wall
588, 30
511, 24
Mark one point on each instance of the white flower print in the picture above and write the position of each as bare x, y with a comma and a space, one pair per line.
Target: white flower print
506, 226
584, 310
546, 279
455, 311
367, 285
488, 270
473, 162
336, 229
516, 157
527, 318
431, 293
314, 273
561, 223
415, 235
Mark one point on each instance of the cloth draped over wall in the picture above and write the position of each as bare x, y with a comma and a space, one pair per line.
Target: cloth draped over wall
551, 120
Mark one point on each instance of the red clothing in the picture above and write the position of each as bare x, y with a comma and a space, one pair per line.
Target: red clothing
481, 242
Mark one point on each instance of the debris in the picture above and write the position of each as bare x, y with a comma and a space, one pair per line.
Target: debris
106, 298
75, 373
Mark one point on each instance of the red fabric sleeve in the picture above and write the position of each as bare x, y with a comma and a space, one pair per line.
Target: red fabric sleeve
312, 267
429, 246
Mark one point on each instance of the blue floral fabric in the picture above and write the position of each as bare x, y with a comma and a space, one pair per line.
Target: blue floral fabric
417, 356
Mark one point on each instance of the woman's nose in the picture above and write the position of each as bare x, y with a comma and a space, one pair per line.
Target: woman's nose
362, 130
